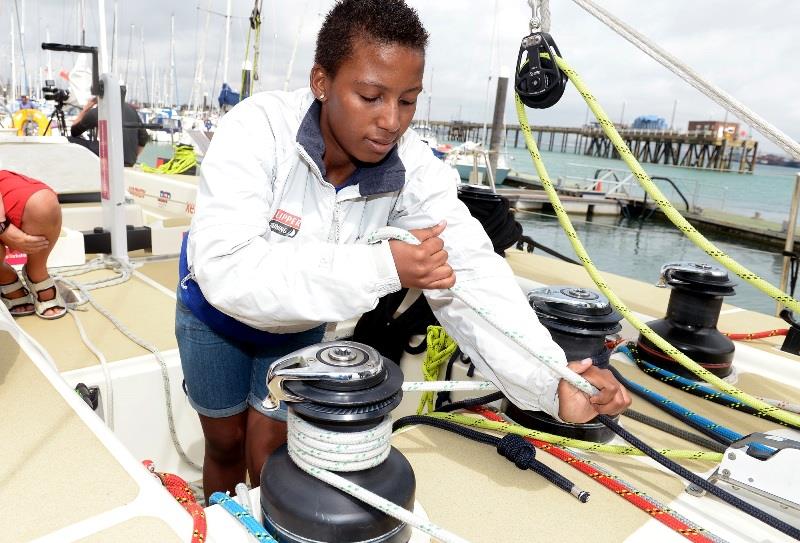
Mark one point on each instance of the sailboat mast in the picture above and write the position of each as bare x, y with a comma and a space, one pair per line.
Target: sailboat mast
171, 79
83, 21
13, 62
49, 56
21, 32
294, 49
144, 67
103, 45
114, 45
227, 42
197, 88
128, 55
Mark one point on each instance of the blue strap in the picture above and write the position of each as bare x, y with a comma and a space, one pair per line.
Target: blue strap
192, 297
241, 514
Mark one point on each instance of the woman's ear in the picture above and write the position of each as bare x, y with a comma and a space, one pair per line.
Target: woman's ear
319, 82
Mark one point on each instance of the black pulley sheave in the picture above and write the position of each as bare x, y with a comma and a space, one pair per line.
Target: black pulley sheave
341, 386
579, 320
537, 79
690, 324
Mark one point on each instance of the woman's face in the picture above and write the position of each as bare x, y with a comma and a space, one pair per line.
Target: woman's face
371, 101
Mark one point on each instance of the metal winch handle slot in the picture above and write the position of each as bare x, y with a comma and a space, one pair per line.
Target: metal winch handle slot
340, 361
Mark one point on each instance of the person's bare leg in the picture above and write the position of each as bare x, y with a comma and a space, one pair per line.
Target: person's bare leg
224, 460
42, 217
7, 276
264, 435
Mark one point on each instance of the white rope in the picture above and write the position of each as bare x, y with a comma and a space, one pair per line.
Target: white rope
125, 272
316, 451
108, 404
540, 15
517, 336
446, 386
709, 89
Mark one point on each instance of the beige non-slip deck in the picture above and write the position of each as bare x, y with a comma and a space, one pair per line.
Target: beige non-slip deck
54, 471
145, 310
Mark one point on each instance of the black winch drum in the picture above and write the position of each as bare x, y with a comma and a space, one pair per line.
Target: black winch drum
298, 507
690, 324
579, 320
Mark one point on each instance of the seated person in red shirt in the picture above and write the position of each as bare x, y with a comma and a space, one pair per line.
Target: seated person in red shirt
30, 222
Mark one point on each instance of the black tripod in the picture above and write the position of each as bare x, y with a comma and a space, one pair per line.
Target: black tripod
61, 124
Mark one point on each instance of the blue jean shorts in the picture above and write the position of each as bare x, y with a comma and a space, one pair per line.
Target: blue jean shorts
223, 376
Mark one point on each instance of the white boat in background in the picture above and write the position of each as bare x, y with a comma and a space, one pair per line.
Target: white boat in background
471, 160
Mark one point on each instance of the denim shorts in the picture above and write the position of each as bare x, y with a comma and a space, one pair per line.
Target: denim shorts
224, 376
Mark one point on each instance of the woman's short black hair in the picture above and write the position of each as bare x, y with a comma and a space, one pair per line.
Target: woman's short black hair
380, 21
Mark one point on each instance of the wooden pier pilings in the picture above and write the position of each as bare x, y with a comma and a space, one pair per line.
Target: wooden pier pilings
696, 149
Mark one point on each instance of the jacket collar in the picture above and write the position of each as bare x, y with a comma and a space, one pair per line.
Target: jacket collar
388, 175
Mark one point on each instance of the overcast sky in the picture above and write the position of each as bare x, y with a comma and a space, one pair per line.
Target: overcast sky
748, 48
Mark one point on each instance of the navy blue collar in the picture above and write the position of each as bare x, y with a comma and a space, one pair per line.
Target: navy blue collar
388, 175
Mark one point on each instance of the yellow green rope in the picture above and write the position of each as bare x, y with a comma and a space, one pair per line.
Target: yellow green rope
440, 348
474, 421
563, 219
182, 160
663, 202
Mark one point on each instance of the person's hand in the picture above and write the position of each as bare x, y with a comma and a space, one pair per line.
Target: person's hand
577, 406
423, 266
90, 103
20, 241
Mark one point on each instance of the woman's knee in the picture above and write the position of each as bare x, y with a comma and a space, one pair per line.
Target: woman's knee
42, 210
225, 438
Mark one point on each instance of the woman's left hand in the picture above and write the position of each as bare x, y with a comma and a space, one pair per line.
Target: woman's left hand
578, 407
25, 243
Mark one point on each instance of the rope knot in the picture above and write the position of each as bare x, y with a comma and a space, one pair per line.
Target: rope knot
517, 450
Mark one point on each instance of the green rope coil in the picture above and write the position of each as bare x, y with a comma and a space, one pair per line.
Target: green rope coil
625, 450
440, 348
563, 219
182, 160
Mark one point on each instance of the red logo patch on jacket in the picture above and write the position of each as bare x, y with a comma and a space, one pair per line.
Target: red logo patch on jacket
285, 224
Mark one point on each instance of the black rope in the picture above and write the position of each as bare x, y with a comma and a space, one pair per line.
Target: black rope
455, 406
691, 422
512, 447
793, 269
535, 244
676, 468
675, 431
444, 397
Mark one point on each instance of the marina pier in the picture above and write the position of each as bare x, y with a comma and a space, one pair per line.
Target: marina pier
703, 149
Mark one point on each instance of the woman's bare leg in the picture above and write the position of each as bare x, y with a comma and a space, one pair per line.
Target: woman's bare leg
42, 217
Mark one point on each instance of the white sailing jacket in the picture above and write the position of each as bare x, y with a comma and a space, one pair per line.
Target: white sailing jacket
273, 245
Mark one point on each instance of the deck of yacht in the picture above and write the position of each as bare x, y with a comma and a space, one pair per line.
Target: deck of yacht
67, 477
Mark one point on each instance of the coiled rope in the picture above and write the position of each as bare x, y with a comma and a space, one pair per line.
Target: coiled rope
618, 304
317, 451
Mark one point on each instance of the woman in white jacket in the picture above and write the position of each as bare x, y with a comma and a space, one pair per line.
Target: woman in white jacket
292, 185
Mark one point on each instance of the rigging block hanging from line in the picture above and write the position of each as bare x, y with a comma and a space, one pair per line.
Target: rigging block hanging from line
537, 79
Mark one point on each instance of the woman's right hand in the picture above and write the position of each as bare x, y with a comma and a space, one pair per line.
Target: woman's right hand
423, 266
20, 241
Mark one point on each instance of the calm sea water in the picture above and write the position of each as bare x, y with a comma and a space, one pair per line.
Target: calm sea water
638, 249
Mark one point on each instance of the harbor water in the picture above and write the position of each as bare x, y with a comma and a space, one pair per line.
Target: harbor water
637, 249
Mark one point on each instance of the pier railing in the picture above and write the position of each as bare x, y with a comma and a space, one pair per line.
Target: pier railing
704, 149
